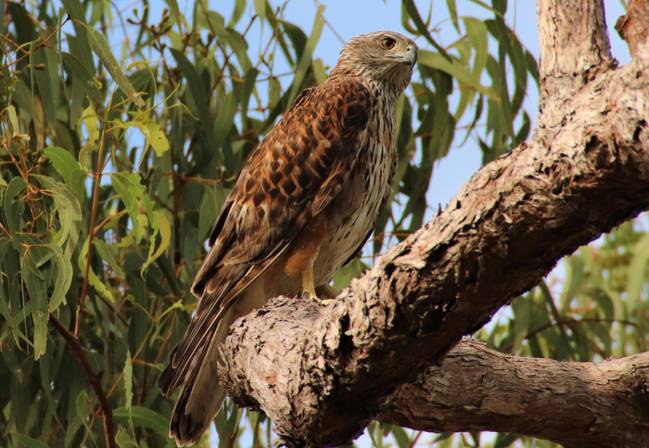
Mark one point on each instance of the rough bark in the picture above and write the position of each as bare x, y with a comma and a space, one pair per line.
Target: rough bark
574, 45
634, 30
480, 389
322, 372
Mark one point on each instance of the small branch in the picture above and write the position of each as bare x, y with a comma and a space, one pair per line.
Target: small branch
634, 29
91, 232
91, 376
478, 389
574, 45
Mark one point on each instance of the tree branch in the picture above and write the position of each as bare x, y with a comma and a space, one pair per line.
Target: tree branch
91, 376
573, 43
477, 388
321, 373
634, 30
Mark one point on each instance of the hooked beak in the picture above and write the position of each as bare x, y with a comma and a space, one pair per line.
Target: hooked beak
411, 54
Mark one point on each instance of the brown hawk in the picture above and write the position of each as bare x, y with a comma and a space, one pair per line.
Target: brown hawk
305, 203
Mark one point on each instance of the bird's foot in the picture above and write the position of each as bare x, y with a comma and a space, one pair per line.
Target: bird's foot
311, 295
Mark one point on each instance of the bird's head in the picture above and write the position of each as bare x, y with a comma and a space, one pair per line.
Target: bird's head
384, 56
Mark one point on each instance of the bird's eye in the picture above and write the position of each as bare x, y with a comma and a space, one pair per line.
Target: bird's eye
388, 43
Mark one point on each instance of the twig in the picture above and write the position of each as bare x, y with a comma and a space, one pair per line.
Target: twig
91, 233
91, 376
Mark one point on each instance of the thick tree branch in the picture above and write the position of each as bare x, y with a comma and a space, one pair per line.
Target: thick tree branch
480, 389
573, 43
634, 29
322, 372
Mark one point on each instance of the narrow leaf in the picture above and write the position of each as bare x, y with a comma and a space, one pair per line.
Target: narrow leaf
101, 48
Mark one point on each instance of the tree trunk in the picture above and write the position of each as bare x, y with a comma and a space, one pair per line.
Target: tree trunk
321, 373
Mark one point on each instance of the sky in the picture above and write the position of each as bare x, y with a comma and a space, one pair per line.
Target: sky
351, 17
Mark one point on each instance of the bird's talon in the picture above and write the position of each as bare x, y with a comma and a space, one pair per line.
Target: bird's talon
314, 297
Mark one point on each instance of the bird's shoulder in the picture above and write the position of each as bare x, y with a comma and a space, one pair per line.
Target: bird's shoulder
341, 102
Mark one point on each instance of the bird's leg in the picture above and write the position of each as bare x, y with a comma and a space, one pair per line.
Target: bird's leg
303, 255
308, 285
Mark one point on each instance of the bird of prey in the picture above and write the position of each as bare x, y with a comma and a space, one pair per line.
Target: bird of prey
303, 205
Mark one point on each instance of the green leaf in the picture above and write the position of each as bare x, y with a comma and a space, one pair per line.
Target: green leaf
452, 12
345, 274
477, 34
69, 168
573, 282
142, 417
151, 130
175, 12
130, 189
93, 279
156, 138
196, 87
67, 209
637, 273
13, 119
161, 225
522, 309
62, 279
305, 58
124, 439
225, 121
399, 434
128, 380
556, 315
260, 8
12, 208
239, 8
319, 71
84, 79
100, 46
105, 251
36, 285
604, 301
24, 441
47, 80
90, 119
457, 71
505, 440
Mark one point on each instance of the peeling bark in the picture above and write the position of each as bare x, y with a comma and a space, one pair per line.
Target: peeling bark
321, 373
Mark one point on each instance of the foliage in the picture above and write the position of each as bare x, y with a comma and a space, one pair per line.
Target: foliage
113, 169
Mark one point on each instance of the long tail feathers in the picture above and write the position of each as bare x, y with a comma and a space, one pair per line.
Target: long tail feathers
201, 396
193, 363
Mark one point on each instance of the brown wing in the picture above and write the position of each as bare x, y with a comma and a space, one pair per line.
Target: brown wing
293, 175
